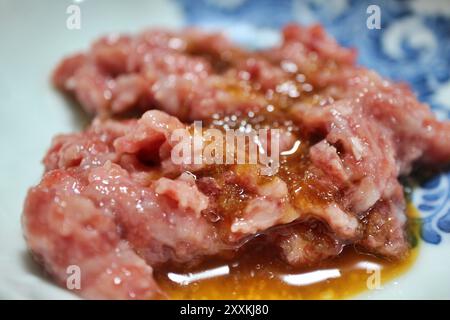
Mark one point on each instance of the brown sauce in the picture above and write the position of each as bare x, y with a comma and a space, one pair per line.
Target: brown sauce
257, 273
233, 181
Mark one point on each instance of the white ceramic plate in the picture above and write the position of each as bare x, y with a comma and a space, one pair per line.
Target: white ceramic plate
34, 37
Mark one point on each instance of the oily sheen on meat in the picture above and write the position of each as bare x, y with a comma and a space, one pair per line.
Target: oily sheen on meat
112, 201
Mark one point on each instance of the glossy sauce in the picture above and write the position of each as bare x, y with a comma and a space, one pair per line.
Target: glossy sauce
233, 180
257, 273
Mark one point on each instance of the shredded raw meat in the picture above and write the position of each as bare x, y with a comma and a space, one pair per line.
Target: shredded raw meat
113, 202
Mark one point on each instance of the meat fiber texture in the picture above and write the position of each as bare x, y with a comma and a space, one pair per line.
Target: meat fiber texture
112, 202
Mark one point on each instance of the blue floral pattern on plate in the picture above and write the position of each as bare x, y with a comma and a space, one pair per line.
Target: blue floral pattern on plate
432, 200
413, 45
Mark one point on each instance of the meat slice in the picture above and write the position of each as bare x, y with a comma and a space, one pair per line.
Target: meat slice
384, 227
194, 75
307, 243
113, 230
180, 73
90, 212
114, 201
64, 229
101, 200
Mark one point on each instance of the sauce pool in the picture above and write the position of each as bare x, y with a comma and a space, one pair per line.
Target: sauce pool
257, 273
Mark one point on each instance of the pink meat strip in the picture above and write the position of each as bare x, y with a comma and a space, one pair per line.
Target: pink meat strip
189, 73
113, 203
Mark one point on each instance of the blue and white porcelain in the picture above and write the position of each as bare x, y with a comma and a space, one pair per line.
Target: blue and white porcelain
412, 45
